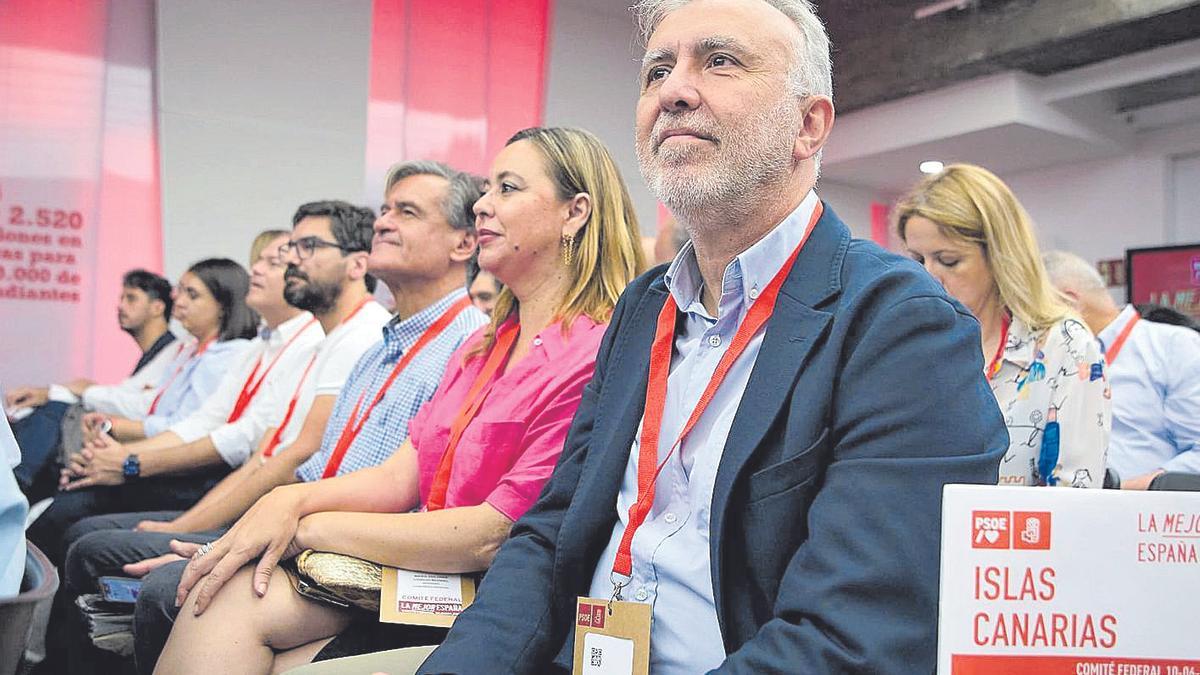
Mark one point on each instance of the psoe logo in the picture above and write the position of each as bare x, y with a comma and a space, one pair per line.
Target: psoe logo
1031, 530
991, 529
1024, 530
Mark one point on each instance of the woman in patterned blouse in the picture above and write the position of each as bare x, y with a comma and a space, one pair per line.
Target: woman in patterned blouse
1044, 365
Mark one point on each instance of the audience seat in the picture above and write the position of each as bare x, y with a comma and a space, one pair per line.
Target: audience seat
1175, 480
38, 586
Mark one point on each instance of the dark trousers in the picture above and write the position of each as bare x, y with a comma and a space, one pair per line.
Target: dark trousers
38, 436
152, 494
100, 546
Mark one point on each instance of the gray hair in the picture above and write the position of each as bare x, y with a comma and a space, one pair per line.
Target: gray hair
464, 189
1068, 271
813, 72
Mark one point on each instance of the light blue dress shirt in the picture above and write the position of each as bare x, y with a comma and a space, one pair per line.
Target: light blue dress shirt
387, 427
1155, 384
671, 563
13, 509
200, 377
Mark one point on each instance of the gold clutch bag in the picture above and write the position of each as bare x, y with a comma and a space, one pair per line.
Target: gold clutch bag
351, 581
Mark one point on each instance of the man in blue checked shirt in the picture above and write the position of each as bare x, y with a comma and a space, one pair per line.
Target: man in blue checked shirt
422, 241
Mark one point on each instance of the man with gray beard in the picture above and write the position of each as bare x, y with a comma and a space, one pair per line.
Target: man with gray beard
753, 480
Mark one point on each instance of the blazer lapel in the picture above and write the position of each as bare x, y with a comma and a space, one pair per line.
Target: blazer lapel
621, 402
794, 330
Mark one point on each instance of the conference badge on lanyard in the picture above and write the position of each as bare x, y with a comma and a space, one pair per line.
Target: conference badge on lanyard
424, 598
612, 637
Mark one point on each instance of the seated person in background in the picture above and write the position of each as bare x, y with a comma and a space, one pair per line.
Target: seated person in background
325, 273
13, 508
795, 528
1154, 372
483, 287
1043, 363
227, 427
558, 229
210, 303
142, 311
420, 247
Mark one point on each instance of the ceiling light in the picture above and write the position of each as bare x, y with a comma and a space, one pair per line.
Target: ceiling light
932, 166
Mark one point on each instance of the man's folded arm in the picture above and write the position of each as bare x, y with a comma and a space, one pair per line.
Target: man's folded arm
911, 412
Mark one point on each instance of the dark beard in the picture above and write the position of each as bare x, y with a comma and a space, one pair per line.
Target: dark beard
313, 296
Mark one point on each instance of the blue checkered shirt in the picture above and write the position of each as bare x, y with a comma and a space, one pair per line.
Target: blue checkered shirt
387, 427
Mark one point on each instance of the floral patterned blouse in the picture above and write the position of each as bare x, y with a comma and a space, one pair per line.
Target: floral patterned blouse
1053, 392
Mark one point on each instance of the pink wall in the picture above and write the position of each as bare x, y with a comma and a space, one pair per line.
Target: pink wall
452, 81
78, 172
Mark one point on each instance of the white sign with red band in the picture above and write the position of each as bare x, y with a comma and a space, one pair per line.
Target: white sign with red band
1077, 582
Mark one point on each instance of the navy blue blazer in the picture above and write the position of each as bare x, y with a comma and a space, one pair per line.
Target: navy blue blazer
866, 398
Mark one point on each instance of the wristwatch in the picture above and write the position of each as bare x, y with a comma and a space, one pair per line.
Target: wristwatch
132, 468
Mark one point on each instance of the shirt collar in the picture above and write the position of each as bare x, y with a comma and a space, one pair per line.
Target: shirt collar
284, 331
399, 335
551, 339
1021, 347
1114, 327
750, 272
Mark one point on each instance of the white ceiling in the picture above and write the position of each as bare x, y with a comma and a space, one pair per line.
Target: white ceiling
1010, 122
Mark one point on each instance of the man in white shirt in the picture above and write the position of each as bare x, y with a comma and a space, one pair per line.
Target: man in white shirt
142, 311
1154, 372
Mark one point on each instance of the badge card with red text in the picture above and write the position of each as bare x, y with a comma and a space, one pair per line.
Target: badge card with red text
612, 637
1077, 582
424, 598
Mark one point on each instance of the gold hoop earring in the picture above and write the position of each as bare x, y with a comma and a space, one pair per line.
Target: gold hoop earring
568, 250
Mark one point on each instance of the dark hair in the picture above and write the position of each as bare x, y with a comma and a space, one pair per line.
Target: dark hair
1161, 314
158, 288
228, 283
352, 226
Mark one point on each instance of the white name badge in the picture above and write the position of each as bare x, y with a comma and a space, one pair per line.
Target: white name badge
424, 598
1057, 580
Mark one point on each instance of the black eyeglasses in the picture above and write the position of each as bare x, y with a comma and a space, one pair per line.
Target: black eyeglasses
306, 246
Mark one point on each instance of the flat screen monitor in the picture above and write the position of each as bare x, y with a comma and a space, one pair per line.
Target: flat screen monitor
1165, 275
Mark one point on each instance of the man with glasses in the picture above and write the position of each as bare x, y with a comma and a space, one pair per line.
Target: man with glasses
420, 249
317, 272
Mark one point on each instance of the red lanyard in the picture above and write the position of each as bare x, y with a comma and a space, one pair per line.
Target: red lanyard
496, 359
199, 350
251, 386
278, 435
649, 467
355, 423
994, 366
1111, 355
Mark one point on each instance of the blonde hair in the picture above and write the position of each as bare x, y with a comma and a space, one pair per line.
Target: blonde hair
970, 204
607, 249
260, 242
